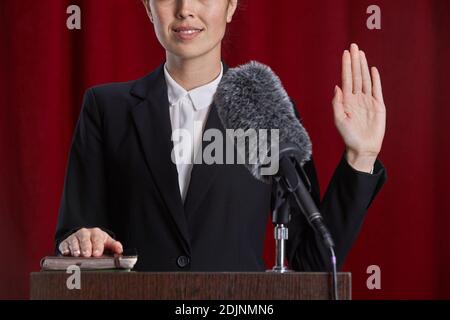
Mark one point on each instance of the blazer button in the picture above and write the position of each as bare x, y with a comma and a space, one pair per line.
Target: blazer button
183, 261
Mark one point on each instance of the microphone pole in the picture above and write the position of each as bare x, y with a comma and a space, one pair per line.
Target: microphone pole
280, 219
289, 186
283, 205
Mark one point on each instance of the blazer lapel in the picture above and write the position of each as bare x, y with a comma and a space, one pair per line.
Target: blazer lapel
152, 119
202, 175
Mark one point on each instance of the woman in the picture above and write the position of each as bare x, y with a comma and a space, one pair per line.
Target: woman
123, 190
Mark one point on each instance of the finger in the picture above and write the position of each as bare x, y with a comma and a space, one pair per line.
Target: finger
366, 80
64, 248
113, 245
347, 84
74, 246
338, 107
356, 68
98, 242
84, 239
376, 85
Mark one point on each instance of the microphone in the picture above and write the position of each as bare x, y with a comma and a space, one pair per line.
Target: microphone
251, 96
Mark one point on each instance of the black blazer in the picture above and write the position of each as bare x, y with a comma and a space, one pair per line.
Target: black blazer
120, 178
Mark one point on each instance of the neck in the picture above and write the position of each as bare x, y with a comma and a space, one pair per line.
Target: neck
194, 72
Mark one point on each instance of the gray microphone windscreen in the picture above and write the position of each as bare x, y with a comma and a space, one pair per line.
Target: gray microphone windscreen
251, 96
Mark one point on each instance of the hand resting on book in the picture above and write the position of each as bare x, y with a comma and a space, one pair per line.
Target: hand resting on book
89, 243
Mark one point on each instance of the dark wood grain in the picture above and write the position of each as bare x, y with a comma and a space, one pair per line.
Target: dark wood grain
189, 285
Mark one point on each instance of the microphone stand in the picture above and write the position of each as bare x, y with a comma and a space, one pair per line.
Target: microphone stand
283, 204
289, 186
280, 219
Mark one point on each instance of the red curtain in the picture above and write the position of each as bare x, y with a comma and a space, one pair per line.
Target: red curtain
45, 67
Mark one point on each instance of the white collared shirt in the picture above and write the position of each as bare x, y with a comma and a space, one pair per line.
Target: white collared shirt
187, 108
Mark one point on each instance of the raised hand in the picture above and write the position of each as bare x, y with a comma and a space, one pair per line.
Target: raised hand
359, 110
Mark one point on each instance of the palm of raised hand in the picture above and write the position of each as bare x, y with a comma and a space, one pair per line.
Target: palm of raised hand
359, 110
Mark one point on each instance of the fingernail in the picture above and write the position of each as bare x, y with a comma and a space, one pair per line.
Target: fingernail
85, 253
96, 252
76, 252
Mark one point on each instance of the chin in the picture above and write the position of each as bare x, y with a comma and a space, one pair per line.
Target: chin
188, 53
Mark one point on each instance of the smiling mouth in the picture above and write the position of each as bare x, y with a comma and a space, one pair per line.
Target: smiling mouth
187, 31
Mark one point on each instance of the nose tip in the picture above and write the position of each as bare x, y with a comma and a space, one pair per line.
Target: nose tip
184, 9
184, 15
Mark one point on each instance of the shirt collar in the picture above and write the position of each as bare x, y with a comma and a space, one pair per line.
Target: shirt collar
201, 97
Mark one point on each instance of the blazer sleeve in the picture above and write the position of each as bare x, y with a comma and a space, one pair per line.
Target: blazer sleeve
83, 202
343, 207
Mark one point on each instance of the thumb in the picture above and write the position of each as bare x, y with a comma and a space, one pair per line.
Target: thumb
338, 95
337, 102
113, 245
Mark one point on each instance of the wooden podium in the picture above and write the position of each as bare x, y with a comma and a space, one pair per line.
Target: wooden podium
189, 286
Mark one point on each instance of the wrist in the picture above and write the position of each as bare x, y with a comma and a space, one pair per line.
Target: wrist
361, 162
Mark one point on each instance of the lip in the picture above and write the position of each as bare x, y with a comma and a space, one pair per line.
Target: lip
181, 34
